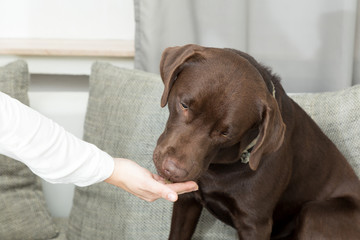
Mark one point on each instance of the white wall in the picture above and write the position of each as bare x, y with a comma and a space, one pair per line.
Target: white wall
59, 85
79, 19
66, 19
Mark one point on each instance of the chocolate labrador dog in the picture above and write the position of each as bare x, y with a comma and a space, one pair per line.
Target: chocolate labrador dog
262, 164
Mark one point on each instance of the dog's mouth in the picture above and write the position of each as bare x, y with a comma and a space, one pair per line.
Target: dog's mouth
169, 169
172, 172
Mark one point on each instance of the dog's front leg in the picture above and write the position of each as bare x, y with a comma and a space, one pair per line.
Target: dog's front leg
251, 229
186, 213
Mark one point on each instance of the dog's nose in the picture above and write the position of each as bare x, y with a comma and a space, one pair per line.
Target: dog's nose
172, 171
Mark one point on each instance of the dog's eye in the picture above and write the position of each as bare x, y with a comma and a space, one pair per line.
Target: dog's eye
184, 106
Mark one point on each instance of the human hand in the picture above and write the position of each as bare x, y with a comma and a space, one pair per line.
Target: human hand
140, 182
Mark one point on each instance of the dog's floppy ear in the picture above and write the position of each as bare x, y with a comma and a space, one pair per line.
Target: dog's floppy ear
171, 64
271, 134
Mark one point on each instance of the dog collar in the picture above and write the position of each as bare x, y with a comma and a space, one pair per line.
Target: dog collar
245, 155
273, 91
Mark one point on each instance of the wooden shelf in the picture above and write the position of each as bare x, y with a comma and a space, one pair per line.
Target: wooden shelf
67, 47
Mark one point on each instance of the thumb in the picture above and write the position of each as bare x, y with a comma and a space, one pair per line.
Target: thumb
171, 196
165, 192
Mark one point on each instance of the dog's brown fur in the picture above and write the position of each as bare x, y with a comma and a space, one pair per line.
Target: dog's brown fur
297, 184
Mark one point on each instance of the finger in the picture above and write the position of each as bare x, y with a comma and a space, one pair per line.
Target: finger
183, 187
159, 178
170, 191
162, 190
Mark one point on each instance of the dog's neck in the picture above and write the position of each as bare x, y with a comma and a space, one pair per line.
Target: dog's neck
245, 155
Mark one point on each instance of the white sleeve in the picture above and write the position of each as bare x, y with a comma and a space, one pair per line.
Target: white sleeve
48, 149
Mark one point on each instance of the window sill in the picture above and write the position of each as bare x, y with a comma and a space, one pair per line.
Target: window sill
67, 47
69, 57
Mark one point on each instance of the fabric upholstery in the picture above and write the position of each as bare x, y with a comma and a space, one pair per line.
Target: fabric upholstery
23, 211
124, 118
61, 224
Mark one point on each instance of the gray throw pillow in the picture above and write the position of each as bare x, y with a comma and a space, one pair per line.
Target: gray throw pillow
124, 118
23, 212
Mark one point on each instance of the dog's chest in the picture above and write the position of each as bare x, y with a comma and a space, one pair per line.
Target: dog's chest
216, 206
220, 191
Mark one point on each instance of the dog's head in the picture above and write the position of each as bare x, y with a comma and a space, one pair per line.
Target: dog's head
218, 103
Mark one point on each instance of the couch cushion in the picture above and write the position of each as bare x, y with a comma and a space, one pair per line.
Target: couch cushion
61, 224
124, 118
23, 212
338, 115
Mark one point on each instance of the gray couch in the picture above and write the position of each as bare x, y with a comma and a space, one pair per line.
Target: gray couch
126, 122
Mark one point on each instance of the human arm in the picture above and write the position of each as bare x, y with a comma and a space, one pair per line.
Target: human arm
59, 157
144, 184
47, 148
